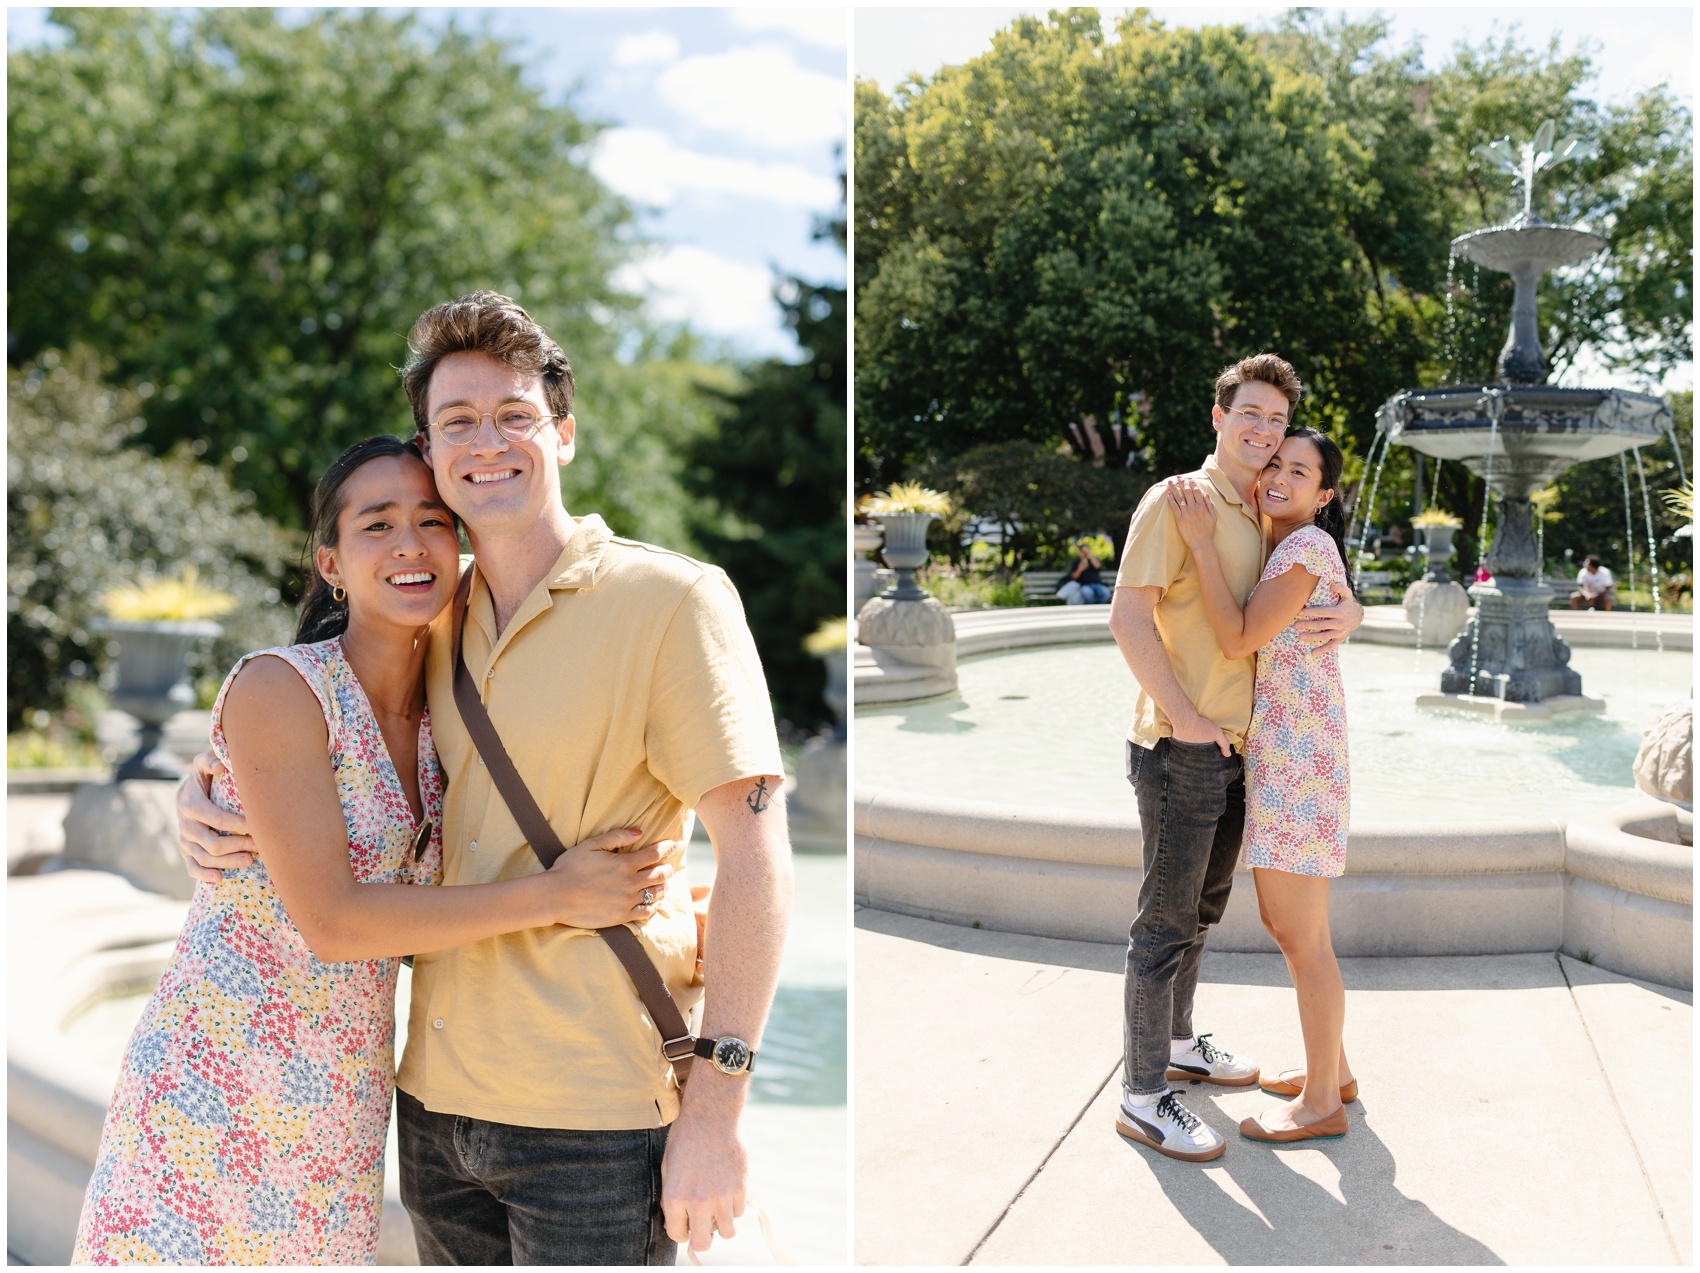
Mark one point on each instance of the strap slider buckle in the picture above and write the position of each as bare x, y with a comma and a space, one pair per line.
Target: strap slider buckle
668, 1047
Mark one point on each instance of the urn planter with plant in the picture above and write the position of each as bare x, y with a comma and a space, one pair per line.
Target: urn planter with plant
155, 625
1437, 528
904, 511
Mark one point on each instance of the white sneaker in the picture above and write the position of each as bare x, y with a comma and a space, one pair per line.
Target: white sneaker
1171, 1129
1204, 1060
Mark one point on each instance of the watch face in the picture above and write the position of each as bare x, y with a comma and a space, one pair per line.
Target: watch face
731, 1056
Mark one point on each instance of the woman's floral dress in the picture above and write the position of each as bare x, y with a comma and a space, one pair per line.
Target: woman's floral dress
1298, 785
249, 1121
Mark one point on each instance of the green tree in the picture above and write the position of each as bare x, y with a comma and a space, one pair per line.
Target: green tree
1633, 306
1063, 241
86, 513
771, 480
1072, 238
244, 216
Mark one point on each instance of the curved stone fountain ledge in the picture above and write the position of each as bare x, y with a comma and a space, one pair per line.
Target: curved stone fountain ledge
1616, 888
74, 937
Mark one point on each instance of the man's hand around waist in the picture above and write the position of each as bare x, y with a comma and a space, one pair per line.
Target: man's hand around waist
211, 839
1326, 627
705, 1170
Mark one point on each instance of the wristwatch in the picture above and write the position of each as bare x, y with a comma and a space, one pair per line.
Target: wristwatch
729, 1055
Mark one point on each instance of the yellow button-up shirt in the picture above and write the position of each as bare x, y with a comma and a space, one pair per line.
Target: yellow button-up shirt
625, 687
1156, 555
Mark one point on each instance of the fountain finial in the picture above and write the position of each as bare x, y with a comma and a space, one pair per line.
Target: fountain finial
1522, 163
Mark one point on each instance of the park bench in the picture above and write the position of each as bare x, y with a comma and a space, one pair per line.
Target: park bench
1375, 587
1039, 587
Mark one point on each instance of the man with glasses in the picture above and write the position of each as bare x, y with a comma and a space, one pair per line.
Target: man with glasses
1183, 754
539, 1121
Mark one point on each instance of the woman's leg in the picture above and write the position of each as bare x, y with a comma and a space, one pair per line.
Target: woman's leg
1295, 911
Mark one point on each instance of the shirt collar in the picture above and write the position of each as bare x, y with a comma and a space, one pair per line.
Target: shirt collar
1224, 484
580, 561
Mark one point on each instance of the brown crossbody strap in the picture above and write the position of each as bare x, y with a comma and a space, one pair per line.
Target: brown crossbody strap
677, 1043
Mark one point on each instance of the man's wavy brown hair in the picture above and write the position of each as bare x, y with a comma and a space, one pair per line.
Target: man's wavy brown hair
1271, 369
484, 323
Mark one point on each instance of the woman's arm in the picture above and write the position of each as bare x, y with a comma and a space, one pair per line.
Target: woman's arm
1274, 605
276, 734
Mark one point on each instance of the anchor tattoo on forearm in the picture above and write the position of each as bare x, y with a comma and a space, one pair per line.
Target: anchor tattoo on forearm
760, 798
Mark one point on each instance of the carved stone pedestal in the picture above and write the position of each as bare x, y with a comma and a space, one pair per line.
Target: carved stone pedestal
1437, 610
1518, 657
914, 647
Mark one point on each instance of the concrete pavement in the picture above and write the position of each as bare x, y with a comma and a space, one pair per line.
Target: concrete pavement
1517, 1109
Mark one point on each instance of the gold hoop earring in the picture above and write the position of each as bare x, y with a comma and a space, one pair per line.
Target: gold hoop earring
338, 593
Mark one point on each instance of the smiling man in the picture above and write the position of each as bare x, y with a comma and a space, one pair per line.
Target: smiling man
539, 1121
1184, 754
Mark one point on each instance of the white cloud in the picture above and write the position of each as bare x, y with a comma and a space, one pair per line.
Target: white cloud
648, 167
716, 296
825, 26
652, 48
757, 94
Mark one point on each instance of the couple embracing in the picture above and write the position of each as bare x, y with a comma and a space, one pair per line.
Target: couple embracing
400, 782
1231, 598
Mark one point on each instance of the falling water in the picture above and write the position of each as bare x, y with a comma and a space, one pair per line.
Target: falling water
1681, 472
1493, 401
1369, 509
1629, 545
1452, 346
1540, 547
1652, 552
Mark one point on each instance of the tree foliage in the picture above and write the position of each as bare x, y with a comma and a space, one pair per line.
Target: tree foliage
771, 480
1038, 497
86, 513
245, 217
1063, 240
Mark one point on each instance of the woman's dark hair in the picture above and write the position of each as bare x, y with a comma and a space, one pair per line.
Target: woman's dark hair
1332, 517
322, 615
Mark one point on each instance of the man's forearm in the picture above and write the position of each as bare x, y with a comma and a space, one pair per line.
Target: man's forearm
1135, 630
749, 912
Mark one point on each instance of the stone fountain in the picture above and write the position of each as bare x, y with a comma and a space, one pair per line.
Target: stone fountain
1518, 435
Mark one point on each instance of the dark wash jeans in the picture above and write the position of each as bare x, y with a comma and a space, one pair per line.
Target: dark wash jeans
493, 1193
1192, 816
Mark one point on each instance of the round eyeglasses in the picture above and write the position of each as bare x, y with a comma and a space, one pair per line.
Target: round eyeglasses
1255, 419
515, 421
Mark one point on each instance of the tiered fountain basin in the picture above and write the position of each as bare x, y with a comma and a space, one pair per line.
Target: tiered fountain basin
1006, 804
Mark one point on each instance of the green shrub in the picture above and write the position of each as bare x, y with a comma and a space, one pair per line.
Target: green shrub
87, 513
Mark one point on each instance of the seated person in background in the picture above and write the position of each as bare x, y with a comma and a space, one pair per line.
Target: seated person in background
1593, 587
1082, 585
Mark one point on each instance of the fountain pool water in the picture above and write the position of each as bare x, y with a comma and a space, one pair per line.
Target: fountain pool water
1043, 727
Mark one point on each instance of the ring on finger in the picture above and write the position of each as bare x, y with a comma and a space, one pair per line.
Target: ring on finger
649, 897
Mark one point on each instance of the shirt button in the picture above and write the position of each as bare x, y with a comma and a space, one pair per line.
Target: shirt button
438, 1023
481, 760
473, 846
489, 673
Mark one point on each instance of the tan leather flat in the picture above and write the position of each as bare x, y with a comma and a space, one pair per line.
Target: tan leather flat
1332, 1127
1284, 1086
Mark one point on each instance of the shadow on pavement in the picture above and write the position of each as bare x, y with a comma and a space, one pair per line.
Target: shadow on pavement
1302, 1221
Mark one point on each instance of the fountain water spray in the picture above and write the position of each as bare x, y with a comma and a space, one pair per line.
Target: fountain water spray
1652, 552
1493, 402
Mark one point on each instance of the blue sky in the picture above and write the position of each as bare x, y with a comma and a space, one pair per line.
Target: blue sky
722, 128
